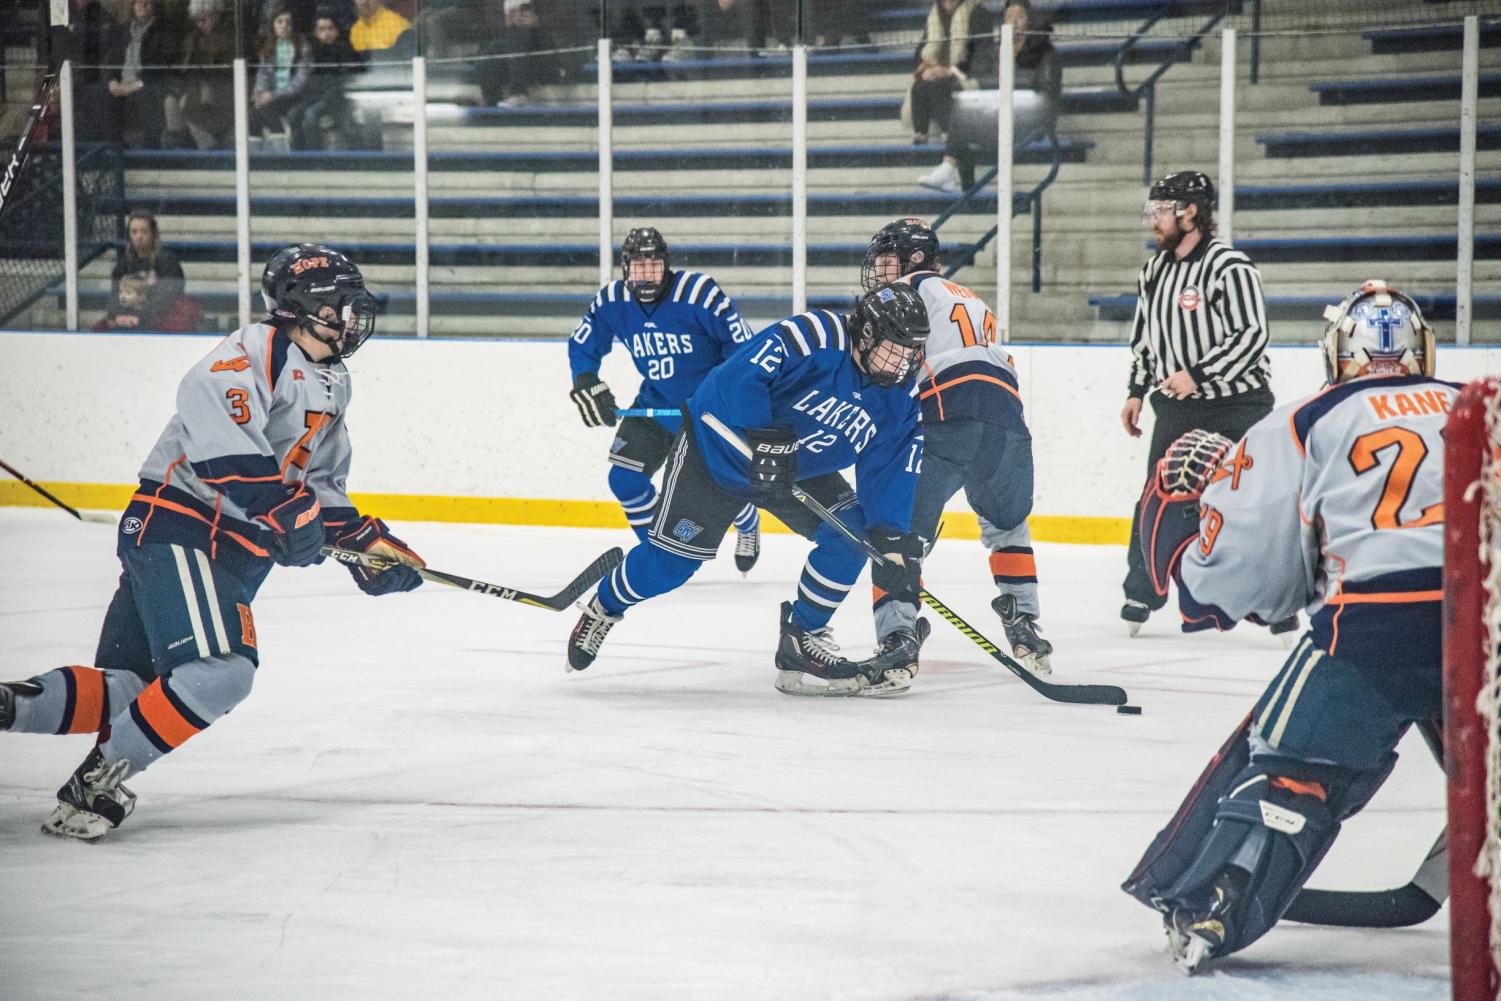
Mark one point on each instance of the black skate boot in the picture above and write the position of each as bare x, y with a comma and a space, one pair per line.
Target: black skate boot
1198, 934
1135, 614
747, 548
8, 692
93, 802
891, 670
592, 628
803, 652
1027, 645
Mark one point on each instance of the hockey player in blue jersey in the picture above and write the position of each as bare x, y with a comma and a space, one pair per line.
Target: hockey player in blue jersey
677, 326
804, 399
1333, 504
250, 473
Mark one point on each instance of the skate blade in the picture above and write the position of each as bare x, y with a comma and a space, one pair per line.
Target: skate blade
1039, 666
1289, 639
1133, 628
1188, 952
72, 823
792, 683
895, 682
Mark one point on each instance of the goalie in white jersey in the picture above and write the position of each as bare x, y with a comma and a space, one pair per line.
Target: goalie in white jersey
976, 438
1333, 504
249, 472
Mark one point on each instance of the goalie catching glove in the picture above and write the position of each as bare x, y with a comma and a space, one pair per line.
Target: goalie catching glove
370, 535
1170, 504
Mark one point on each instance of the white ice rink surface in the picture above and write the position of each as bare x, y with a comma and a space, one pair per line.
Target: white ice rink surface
416, 802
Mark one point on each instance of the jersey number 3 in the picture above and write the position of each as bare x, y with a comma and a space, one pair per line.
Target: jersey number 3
1411, 451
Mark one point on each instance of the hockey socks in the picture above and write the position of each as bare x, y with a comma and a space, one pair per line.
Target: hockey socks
172, 709
72, 700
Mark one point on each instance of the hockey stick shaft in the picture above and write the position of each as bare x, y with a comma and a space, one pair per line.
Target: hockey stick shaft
1406, 905
101, 519
1107, 695
558, 602
649, 412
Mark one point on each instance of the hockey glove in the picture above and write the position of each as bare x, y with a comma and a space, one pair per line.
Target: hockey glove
773, 464
1170, 504
296, 530
900, 577
370, 535
593, 398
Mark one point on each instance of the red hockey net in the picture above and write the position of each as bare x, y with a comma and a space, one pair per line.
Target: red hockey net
1472, 686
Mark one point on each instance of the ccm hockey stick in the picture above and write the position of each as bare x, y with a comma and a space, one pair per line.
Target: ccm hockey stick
96, 517
557, 602
1102, 695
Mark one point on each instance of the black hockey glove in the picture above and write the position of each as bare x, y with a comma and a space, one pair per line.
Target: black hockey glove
593, 398
901, 575
370, 535
773, 464
296, 530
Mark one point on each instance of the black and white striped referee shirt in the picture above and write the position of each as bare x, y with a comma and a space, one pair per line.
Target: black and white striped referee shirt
1205, 314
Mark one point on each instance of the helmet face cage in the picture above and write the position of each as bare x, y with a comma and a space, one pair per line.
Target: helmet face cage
300, 282
1377, 330
911, 241
888, 333
645, 244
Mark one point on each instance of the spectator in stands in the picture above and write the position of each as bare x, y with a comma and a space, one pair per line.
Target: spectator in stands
508, 81
955, 50
753, 21
137, 308
322, 115
145, 256
87, 44
305, 14
378, 26
1037, 69
829, 22
140, 54
280, 79
200, 102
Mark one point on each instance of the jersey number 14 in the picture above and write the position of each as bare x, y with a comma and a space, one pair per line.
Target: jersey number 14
960, 315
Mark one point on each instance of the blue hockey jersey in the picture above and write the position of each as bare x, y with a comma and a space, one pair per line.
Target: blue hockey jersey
800, 373
674, 342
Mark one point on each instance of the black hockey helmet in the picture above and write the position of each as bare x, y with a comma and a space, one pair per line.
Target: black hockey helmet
1185, 187
302, 279
645, 244
888, 331
912, 241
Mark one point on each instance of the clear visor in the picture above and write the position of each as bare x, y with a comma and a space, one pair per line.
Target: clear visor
1158, 208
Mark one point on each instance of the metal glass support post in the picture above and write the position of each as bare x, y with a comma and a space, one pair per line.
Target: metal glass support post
419, 175
1226, 215
242, 189
606, 71
70, 195
1468, 96
1146, 153
1004, 178
799, 177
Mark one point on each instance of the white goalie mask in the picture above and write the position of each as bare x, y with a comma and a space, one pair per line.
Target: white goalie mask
1376, 331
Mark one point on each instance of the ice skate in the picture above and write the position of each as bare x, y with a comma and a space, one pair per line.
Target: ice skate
588, 634
804, 653
1135, 614
1022, 633
1195, 936
92, 802
9, 690
891, 670
747, 547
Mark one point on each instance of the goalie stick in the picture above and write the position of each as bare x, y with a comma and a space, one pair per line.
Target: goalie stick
1102, 695
93, 516
557, 602
1406, 905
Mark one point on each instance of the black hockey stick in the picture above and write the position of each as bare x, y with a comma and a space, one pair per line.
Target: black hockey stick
1406, 905
97, 518
1100, 695
557, 602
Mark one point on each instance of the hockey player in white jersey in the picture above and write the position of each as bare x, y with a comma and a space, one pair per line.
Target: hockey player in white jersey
1333, 504
976, 438
250, 472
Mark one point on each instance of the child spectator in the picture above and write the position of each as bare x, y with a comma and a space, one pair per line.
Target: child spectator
136, 307
141, 52
280, 78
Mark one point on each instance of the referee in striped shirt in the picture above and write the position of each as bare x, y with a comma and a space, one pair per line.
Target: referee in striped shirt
1199, 339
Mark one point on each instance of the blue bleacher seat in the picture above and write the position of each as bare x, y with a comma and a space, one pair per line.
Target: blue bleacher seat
1385, 141
1397, 89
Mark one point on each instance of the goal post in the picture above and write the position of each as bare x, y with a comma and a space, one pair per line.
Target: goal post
1472, 686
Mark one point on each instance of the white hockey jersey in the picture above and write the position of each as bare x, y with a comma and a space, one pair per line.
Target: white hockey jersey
254, 418
1333, 504
966, 373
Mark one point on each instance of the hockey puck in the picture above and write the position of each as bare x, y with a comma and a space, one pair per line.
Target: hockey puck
1128, 710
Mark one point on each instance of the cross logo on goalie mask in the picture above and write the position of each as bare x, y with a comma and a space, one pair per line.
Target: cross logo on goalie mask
1387, 321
